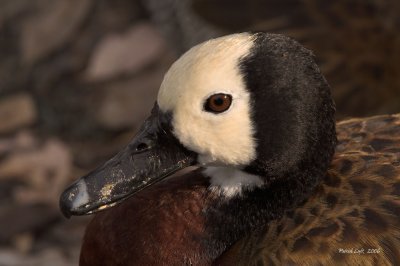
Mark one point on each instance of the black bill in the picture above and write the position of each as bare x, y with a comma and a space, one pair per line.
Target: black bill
152, 155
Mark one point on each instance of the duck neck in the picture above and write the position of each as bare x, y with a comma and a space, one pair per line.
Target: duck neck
231, 217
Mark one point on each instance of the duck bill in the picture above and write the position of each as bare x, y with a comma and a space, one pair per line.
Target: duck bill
152, 155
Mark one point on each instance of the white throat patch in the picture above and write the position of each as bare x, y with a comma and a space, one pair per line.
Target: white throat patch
230, 181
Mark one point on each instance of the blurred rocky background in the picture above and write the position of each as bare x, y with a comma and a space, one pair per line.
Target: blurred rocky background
77, 77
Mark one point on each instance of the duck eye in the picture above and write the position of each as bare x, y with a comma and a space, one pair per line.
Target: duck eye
218, 103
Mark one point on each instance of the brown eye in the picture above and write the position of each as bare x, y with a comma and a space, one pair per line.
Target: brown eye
218, 103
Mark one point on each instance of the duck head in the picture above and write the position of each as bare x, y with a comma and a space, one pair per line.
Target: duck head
251, 108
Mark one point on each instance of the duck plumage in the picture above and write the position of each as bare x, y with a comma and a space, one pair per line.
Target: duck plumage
254, 113
352, 218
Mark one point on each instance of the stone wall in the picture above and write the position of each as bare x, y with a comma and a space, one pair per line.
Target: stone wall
76, 79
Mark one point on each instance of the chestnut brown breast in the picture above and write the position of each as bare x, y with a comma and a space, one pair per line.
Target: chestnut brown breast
162, 225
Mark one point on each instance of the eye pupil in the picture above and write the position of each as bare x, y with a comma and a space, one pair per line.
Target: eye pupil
218, 103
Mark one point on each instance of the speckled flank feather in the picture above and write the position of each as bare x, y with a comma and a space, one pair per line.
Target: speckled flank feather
355, 209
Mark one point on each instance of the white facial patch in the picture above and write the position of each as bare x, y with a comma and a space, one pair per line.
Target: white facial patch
210, 68
231, 181
82, 197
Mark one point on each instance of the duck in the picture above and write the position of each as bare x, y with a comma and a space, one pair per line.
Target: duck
269, 177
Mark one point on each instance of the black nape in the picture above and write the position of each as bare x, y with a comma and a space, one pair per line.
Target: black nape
292, 108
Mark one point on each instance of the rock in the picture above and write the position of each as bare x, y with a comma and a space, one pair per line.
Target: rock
47, 257
11, 8
51, 28
66, 234
16, 111
121, 54
127, 103
20, 219
43, 168
181, 24
21, 140
23, 242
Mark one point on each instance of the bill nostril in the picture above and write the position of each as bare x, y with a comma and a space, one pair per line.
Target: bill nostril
142, 146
